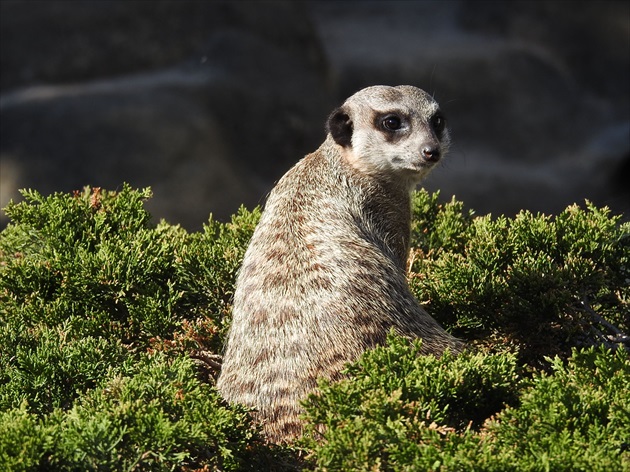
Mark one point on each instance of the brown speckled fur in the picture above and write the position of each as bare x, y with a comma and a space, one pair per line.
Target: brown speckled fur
324, 276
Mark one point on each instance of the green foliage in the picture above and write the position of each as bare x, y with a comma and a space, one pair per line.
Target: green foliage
397, 405
49, 366
402, 412
85, 277
155, 416
106, 320
578, 418
529, 280
88, 288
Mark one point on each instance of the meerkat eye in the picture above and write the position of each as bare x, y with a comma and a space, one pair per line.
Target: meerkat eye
392, 123
438, 123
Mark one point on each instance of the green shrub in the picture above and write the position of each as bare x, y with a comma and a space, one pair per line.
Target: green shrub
397, 405
88, 288
110, 326
86, 276
533, 280
49, 367
402, 412
578, 418
155, 416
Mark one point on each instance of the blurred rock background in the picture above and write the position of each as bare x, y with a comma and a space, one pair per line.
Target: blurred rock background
210, 102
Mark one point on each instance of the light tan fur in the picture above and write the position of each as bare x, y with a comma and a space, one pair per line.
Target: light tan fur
323, 278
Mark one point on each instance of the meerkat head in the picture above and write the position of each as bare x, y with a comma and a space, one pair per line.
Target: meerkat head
391, 131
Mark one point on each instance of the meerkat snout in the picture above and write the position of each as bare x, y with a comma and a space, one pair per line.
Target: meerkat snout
431, 154
432, 151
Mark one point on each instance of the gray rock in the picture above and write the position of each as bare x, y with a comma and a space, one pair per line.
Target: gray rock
207, 134
210, 102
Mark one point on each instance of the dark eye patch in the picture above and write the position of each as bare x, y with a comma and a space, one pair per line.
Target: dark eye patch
438, 123
391, 123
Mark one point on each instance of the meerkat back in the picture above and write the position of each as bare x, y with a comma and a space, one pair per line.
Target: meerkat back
323, 278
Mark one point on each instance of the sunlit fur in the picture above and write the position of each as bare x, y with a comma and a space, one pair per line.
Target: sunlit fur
371, 153
324, 277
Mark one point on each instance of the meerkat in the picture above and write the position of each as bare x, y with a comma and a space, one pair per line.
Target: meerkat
324, 276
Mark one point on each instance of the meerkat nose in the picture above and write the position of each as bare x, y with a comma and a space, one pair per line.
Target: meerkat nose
431, 154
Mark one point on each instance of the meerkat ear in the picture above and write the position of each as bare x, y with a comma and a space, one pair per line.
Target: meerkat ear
340, 127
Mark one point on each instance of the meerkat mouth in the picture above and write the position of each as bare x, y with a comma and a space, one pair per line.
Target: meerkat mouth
422, 164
